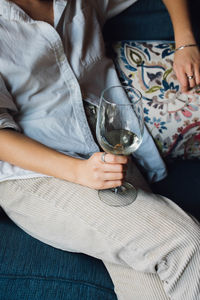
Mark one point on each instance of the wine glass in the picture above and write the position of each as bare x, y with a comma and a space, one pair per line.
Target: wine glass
119, 130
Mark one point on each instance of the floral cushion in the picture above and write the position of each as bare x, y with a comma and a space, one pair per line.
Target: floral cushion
172, 118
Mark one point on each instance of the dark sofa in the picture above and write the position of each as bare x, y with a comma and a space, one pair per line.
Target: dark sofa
148, 20
31, 270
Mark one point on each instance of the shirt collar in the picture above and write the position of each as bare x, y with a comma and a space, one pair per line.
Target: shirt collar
58, 7
11, 11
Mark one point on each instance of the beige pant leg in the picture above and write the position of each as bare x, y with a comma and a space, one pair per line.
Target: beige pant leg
152, 235
133, 285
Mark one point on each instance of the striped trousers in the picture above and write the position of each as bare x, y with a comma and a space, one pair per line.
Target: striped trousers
150, 248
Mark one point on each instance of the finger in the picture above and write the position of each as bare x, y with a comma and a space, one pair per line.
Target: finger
115, 168
111, 184
191, 82
113, 176
182, 78
197, 74
190, 76
115, 159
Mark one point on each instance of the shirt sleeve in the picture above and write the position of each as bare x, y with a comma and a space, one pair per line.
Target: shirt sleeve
111, 8
150, 160
7, 108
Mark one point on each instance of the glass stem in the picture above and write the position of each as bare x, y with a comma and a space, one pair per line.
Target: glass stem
116, 190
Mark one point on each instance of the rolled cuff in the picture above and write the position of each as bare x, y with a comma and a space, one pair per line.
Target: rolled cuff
7, 121
6, 100
150, 160
115, 7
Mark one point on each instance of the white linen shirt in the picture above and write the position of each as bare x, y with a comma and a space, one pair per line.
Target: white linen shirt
47, 71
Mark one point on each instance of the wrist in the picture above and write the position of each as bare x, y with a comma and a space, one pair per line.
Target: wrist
72, 169
64, 167
184, 38
185, 46
79, 171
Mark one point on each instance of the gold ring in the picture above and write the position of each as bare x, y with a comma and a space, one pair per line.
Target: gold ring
103, 157
190, 77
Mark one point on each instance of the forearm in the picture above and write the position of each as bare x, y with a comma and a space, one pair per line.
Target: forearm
179, 13
26, 153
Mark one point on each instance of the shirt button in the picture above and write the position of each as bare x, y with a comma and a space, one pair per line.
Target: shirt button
62, 58
74, 85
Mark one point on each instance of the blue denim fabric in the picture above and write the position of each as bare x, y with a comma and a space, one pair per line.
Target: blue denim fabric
32, 270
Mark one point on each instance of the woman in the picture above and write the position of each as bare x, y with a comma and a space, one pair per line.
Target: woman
53, 58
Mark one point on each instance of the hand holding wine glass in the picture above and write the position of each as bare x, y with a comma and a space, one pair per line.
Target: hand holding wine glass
120, 127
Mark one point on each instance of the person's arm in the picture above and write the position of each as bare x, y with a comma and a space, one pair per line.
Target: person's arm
187, 60
26, 153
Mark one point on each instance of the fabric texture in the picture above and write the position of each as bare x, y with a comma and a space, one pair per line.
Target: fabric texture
148, 20
182, 185
57, 72
141, 21
31, 270
72, 218
172, 118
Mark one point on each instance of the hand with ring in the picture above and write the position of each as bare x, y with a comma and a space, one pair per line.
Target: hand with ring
102, 171
187, 67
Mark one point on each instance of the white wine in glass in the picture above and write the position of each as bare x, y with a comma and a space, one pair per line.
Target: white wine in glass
119, 130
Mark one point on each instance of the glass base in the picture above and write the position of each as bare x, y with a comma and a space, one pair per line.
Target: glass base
120, 196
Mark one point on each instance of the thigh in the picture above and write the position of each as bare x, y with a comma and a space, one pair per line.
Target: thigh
72, 217
65, 216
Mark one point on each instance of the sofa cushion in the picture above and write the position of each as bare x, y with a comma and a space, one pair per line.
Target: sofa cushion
182, 185
172, 118
30, 269
148, 20
141, 21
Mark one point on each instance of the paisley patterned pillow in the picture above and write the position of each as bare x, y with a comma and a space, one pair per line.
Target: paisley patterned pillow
172, 118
